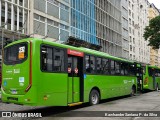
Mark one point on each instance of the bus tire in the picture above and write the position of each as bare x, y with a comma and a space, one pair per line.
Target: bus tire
133, 91
94, 97
157, 87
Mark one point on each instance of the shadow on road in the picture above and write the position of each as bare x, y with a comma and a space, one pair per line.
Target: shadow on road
56, 111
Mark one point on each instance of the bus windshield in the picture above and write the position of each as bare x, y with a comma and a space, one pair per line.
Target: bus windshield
15, 54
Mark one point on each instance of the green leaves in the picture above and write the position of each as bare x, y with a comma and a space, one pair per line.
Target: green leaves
152, 33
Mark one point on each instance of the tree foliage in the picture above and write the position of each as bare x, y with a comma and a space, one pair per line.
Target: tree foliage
152, 33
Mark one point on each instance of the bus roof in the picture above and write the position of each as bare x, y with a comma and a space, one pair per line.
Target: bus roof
81, 49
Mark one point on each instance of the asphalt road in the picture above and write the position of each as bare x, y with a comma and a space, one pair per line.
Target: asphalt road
141, 102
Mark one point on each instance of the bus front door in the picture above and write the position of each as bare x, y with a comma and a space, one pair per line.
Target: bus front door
154, 79
139, 79
75, 73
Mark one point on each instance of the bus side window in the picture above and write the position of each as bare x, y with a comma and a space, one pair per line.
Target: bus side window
99, 65
126, 69
87, 64
46, 58
132, 69
92, 64
105, 66
58, 60
122, 68
117, 68
43, 58
112, 67
144, 70
52, 59
150, 71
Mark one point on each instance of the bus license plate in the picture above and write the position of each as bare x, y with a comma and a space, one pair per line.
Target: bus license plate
14, 91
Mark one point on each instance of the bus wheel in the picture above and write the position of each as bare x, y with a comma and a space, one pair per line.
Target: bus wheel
157, 87
133, 91
94, 97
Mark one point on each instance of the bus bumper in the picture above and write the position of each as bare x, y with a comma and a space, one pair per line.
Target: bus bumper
27, 99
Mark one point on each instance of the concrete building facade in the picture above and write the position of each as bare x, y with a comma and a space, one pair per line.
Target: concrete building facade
131, 20
14, 20
95, 21
125, 27
50, 19
116, 25
138, 20
154, 54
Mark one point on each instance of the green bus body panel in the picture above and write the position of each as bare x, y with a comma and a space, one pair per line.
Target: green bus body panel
70, 90
16, 77
73, 89
76, 89
150, 84
31, 94
57, 89
110, 86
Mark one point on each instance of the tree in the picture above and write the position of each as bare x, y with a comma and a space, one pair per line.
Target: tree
152, 33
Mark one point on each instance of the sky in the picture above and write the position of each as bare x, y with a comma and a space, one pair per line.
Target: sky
156, 3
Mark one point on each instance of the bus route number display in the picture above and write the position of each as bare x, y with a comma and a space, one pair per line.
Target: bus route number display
21, 52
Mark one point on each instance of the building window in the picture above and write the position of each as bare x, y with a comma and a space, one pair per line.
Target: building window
52, 59
117, 68
90, 64
105, 66
99, 65
112, 67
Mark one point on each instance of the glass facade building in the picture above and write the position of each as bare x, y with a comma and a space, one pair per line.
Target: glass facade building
95, 21
98, 22
83, 22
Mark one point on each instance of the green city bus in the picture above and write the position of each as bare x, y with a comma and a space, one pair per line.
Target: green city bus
151, 77
42, 73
